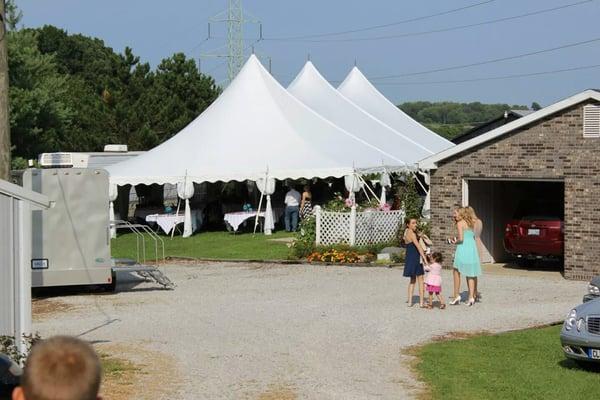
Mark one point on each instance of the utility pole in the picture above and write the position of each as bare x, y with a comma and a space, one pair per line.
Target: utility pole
4, 121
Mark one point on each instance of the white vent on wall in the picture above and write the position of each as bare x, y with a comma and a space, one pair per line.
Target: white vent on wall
591, 121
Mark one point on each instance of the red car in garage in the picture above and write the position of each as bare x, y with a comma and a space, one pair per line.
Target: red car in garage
536, 231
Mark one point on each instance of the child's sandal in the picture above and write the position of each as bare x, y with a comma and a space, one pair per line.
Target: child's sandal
442, 306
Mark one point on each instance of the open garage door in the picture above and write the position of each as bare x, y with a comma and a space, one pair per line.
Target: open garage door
498, 202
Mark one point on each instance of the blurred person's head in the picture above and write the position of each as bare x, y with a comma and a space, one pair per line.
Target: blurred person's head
60, 368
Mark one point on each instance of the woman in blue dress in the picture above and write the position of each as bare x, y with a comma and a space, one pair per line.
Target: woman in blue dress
466, 257
413, 268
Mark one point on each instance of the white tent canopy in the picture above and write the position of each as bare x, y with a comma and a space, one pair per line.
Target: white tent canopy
360, 91
253, 130
312, 89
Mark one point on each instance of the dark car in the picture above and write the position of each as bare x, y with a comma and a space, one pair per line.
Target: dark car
536, 230
593, 289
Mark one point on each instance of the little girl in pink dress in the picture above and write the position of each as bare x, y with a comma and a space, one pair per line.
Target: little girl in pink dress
433, 280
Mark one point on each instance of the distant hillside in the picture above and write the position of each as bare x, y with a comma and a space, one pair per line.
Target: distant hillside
450, 119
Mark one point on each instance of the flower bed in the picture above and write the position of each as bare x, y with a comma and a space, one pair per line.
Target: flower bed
335, 256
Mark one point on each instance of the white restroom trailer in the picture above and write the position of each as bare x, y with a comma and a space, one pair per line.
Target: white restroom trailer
70, 242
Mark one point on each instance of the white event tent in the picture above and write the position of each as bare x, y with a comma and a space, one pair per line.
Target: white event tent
312, 89
255, 130
357, 88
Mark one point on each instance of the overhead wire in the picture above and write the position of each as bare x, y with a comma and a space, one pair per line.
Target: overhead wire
491, 61
427, 32
493, 78
372, 27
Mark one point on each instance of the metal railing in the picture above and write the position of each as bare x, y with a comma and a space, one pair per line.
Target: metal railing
139, 230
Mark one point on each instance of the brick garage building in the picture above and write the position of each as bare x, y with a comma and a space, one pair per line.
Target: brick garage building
550, 153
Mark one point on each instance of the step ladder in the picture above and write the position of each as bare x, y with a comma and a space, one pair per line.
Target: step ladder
140, 265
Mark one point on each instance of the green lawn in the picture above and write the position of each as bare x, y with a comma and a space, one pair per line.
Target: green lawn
221, 245
527, 364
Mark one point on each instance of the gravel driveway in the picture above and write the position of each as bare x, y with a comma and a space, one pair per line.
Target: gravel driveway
263, 331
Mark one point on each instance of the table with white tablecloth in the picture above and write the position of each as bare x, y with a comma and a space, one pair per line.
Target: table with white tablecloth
167, 222
235, 219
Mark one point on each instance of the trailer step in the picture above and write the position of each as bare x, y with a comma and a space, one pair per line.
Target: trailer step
147, 272
123, 261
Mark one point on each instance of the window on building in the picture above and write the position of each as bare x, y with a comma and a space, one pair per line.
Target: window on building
591, 121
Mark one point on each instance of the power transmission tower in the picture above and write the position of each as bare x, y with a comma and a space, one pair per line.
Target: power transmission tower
235, 38
235, 19
4, 122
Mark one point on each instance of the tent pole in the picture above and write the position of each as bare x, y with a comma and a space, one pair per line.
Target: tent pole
177, 214
262, 194
258, 211
365, 184
419, 182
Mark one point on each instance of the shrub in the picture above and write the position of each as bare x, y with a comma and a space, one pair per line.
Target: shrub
9, 347
409, 196
397, 258
304, 240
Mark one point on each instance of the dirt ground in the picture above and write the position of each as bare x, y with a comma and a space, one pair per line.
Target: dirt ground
264, 331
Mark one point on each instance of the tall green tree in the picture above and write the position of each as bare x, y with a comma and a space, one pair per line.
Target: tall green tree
179, 93
39, 117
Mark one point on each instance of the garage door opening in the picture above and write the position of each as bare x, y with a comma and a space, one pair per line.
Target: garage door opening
513, 205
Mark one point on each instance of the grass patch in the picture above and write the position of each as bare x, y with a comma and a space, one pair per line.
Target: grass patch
219, 245
116, 368
527, 364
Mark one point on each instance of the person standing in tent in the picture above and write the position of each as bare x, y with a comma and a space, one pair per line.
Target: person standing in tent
292, 208
306, 203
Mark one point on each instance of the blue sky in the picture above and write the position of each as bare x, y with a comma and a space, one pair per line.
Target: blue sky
156, 30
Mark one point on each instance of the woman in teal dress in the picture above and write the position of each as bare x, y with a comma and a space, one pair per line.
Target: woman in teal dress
466, 258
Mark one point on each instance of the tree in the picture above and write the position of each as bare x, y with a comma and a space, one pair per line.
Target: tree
4, 103
450, 119
535, 106
13, 15
73, 93
38, 116
179, 94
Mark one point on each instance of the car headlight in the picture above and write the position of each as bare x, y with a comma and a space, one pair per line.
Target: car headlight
593, 290
571, 319
580, 324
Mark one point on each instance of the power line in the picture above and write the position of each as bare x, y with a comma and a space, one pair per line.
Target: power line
494, 60
494, 78
372, 27
452, 28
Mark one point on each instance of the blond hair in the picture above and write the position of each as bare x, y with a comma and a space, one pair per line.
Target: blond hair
62, 368
465, 215
471, 212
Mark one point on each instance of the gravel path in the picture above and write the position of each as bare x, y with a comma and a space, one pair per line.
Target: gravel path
308, 332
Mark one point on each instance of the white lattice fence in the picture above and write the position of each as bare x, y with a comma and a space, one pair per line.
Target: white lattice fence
357, 228
377, 226
333, 227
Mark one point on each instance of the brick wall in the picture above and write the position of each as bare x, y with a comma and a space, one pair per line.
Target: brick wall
552, 148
